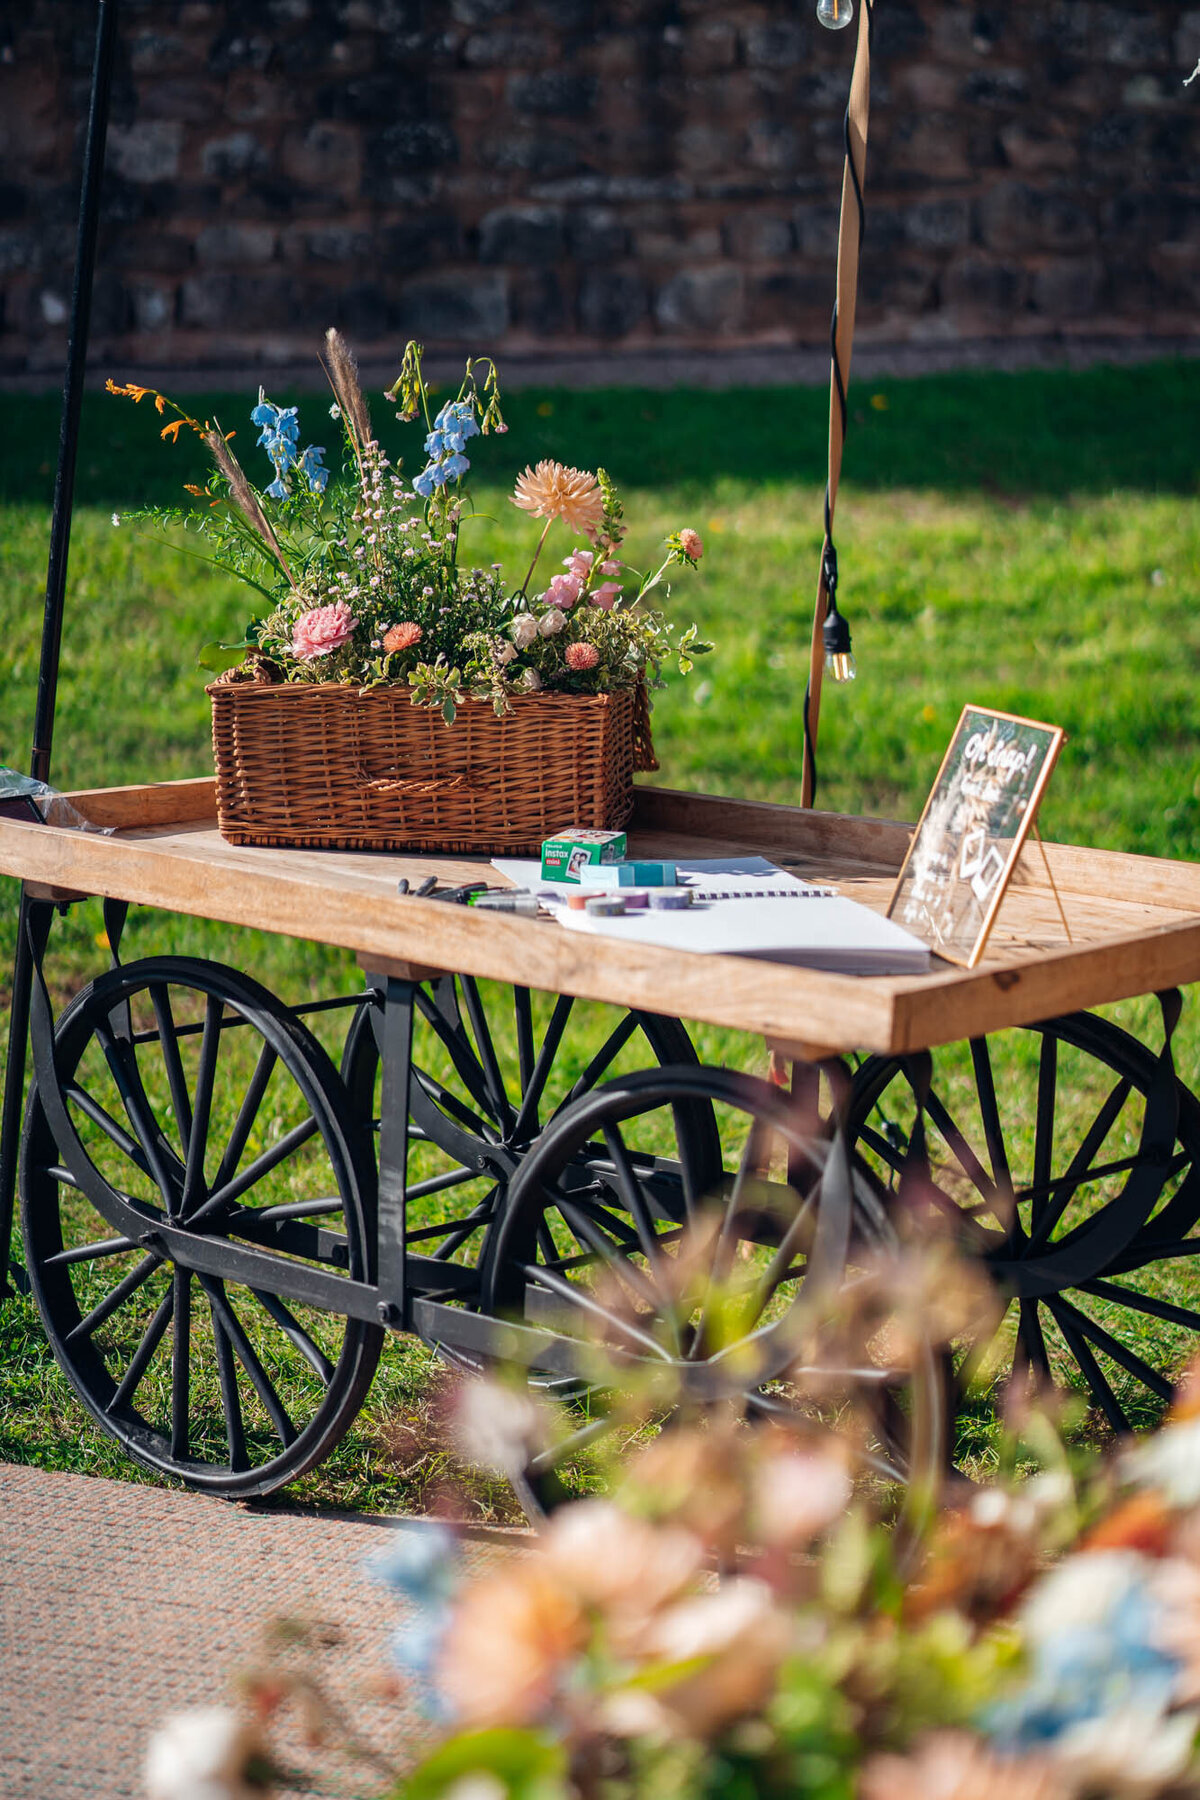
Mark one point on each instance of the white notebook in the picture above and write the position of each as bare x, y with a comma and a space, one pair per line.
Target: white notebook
752, 908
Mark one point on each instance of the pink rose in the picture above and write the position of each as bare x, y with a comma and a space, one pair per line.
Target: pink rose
564, 591
580, 563
605, 595
321, 630
582, 656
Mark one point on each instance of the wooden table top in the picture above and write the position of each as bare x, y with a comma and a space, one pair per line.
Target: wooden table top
1134, 920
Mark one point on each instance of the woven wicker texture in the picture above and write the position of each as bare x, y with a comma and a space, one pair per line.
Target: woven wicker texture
330, 767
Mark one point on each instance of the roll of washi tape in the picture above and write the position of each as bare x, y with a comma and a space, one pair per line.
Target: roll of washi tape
636, 899
577, 900
670, 899
606, 906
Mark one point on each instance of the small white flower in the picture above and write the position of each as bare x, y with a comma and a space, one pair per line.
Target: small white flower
1081, 1592
530, 681
504, 653
524, 630
499, 1427
335, 411
116, 518
201, 1754
551, 622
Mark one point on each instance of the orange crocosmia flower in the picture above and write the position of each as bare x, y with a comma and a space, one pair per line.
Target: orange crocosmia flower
172, 430
160, 403
1142, 1523
190, 488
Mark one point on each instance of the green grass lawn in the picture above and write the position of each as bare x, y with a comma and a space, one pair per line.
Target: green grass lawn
1029, 542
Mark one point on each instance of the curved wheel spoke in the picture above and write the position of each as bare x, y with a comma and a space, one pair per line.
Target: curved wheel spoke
989, 1108
1093, 1374
263, 1386
542, 1277
116, 1134
136, 1278
493, 1080
450, 1104
168, 1043
248, 1113
604, 1058
1031, 1341
1043, 1146
90, 1252
465, 1061
181, 1363
631, 1193
231, 1400
589, 1233
292, 1329
118, 1054
523, 1016
140, 1362
1112, 1347
526, 1121
960, 1149
1080, 1164
256, 1171
1143, 1303
210, 1044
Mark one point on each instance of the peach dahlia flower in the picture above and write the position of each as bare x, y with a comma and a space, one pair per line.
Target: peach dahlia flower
552, 491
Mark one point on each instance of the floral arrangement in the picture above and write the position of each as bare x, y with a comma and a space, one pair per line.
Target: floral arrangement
735, 1622
360, 571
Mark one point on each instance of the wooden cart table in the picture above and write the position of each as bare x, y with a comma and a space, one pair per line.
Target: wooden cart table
221, 1222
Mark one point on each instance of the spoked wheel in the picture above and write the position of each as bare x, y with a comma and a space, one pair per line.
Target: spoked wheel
192, 1099
712, 1281
492, 1067
1064, 1162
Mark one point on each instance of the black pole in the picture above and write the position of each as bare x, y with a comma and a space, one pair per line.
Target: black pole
56, 587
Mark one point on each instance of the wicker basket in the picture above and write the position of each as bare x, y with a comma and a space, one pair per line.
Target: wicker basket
327, 766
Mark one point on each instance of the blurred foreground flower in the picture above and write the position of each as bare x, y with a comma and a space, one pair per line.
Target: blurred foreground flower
206, 1753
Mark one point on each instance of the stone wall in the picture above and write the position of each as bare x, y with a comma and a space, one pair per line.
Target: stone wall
567, 175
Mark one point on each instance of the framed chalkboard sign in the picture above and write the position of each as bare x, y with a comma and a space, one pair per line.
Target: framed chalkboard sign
971, 831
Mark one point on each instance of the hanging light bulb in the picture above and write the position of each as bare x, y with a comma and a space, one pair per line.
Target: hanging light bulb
839, 658
835, 15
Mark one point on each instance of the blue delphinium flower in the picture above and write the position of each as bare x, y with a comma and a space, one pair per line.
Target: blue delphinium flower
278, 490
312, 466
279, 437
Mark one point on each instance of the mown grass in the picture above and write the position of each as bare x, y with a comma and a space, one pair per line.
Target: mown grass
1030, 542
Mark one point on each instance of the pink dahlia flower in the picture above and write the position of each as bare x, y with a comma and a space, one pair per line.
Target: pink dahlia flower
605, 595
321, 630
582, 656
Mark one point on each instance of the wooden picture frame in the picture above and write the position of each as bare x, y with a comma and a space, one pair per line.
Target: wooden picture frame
971, 830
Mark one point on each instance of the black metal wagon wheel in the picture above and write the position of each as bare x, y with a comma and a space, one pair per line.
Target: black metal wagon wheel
492, 1067
180, 1113
1067, 1156
718, 1281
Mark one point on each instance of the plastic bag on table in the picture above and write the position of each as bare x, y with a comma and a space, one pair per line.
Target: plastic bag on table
21, 797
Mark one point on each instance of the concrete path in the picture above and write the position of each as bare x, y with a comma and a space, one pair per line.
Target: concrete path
119, 1604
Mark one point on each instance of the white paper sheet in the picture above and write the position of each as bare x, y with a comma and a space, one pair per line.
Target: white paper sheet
817, 928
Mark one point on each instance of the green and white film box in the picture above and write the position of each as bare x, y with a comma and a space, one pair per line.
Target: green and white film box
570, 855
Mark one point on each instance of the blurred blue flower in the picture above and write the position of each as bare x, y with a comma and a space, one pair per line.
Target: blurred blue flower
420, 1562
432, 477
1090, 1668
454, 466
278, 489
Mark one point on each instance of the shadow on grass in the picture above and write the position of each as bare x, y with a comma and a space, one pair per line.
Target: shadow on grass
1013, 436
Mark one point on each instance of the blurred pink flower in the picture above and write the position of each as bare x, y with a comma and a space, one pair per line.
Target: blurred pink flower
691, 544
953, 1765
619, 1564
564, 591
580, 563
738, 1636
582, 656
798, 1495
510, 1639
610, 568
322, 629
605, 594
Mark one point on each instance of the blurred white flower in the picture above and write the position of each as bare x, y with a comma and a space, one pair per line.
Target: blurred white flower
739, 1637
1127, 1752
524, 630
1169, 1461
500, 1428
620, 1564
1081, 1593
203, 1754
552, 622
